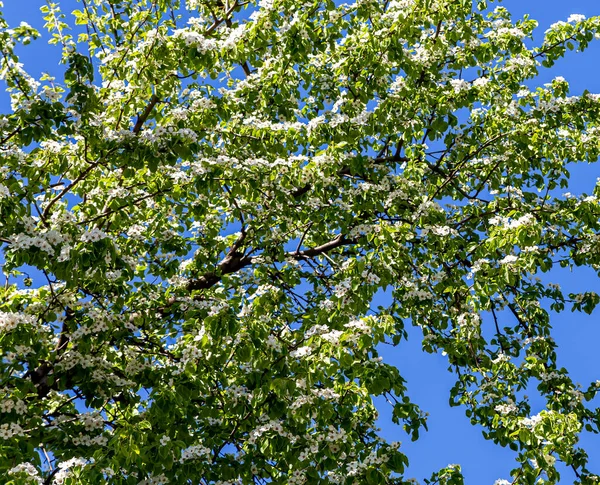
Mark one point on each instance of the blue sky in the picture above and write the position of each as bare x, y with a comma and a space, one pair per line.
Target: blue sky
451, 439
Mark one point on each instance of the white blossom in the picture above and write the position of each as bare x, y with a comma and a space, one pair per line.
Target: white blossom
576, 17
459, 85
508, 259
93, 235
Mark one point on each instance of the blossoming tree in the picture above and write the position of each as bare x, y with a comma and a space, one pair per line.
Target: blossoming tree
198, 210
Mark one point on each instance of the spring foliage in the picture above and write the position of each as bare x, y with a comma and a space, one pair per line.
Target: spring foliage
199, 208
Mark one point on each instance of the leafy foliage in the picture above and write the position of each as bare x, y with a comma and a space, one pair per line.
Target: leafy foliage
197, 217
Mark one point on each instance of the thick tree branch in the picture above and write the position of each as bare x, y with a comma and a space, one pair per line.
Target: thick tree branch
234, 261
39, 376
144, 116
339, 241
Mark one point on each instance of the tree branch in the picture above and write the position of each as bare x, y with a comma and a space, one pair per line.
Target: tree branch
144, 116
68, 188
340, 240
234, 261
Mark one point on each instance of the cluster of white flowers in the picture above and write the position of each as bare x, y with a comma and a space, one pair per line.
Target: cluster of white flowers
423, 55
333, 337
8, 405
354, 468
29, 470
179, 114
301, 352
591, 244
359, 326
396, 195
532, 421
101, 367
506, 408
313, 449
234, 36
237, 392
441, 231
273, 343
10, 320
337, 119
459, 85
362, 118
362, 229
508, 259
194, 453
468, 319
520, 62
91, 421
155, 480
325, 393
426, 208
52, 94
576, 17
342, 288
4, 192
554, 286
506, 31
297, 477
576, 396
511, 223
537, 338
327, 304
113, 275
192, 4
501, 357
263, 290
554, 104
418, 293
284, 126
163, 135
195, 39
580, 297
316, 330
314, 123
191, 353
370, 277
398, 9
199, 102
93, 235
301, 401
86, 440
100, 321
269, 425
23, 241
336, 434
12, 68
512, 109
8, 430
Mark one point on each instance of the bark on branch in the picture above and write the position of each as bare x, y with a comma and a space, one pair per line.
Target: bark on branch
144, 116
340, 240
235, 261
39, 375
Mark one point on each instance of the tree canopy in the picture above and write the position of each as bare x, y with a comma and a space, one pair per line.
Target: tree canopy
198, 209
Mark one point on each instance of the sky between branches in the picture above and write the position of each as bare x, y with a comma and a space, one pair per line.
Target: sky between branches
451, 438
